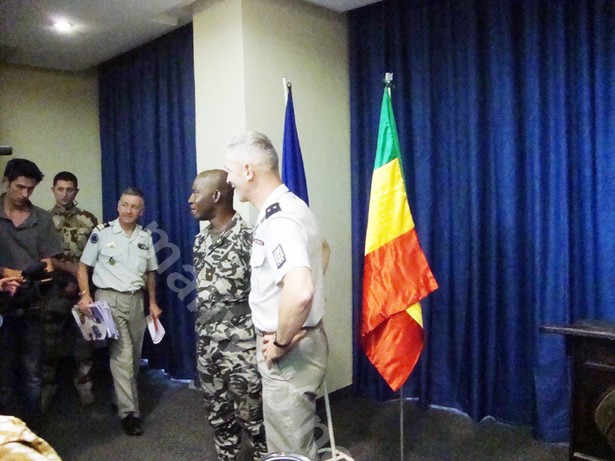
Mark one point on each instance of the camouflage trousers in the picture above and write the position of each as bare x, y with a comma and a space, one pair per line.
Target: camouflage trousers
62, 338
231, 388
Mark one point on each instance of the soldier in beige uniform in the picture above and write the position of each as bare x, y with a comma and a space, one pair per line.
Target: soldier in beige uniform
124, 260
62, 336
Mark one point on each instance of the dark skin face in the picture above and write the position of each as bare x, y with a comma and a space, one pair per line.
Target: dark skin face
202, 199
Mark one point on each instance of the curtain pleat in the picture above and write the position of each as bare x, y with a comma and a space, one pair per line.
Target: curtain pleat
506, 118
147, 125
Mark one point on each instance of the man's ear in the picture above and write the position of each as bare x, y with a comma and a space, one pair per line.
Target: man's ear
216, 196
249, 171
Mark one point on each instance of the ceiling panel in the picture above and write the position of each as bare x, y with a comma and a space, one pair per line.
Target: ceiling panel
102, 28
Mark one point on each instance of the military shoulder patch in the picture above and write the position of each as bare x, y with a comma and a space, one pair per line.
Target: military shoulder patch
279, 256
272, 209
94, 235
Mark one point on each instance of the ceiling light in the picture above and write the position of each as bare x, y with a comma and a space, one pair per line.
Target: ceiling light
62, 26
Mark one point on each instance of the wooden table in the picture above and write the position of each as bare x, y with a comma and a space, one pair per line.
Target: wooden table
591, 345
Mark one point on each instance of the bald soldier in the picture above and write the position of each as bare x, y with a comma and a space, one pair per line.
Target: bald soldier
226, 344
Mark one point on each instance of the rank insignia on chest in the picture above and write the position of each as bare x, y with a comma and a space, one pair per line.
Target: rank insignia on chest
142, 246
279, 256
112, 261
209, 274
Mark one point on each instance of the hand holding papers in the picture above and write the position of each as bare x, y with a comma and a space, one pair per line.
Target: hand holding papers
99, 325
156, 330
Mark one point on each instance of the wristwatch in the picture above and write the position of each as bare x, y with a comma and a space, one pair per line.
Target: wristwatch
277, 344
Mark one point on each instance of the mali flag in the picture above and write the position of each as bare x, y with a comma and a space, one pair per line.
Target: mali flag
396, 275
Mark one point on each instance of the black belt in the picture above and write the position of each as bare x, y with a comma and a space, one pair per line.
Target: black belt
306, 328
129, 292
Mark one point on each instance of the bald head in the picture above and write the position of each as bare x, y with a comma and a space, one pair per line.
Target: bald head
216, 180
211, 195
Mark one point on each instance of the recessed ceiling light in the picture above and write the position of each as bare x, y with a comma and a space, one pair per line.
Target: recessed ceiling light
62, 26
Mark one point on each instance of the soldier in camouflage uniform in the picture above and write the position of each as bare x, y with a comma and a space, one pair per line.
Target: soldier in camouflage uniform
226, 344
62, 337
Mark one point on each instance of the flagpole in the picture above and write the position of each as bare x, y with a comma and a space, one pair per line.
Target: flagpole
401, 422
388, 78
285, 84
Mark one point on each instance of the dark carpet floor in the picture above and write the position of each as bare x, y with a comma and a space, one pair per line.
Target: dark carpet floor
175, 428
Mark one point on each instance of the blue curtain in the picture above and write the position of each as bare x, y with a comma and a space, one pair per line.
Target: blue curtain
147, 126
506, 117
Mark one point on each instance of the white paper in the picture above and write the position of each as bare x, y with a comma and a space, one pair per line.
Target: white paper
155, 328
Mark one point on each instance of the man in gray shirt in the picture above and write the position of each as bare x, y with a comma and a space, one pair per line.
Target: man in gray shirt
27, 237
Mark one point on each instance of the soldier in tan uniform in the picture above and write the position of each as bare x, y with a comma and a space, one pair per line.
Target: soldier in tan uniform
123, 256
62, 337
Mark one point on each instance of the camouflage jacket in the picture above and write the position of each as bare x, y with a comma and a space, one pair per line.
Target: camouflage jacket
222, 266
74, 227
18, 442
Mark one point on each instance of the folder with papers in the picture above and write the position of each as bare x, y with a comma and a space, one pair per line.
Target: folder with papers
99, 325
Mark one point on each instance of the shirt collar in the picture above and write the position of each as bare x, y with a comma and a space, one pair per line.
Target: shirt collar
117, 228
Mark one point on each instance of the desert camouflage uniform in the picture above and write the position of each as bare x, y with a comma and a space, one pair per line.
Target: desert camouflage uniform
19, 443
226, 345
62, 338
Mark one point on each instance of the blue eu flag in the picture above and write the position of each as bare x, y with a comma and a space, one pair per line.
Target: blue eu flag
293, 174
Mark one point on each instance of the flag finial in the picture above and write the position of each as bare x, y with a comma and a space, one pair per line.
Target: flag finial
388, 78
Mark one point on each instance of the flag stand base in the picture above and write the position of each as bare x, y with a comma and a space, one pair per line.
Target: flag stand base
338, 455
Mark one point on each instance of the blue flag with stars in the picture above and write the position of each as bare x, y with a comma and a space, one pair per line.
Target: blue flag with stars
293, 174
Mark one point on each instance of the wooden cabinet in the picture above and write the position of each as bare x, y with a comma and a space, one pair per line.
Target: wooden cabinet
591, 346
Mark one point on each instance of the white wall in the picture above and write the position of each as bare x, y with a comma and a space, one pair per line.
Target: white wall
242, 50
51, 118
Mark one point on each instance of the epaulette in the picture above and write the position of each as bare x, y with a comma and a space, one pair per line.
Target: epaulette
272, 209
102, 226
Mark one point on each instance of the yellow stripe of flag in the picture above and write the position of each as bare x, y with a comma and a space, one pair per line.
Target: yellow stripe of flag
389, 213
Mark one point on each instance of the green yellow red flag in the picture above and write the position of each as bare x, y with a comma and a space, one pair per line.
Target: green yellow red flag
396, 274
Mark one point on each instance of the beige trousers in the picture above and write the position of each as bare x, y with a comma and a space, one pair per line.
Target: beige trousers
125, 352
289, 393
